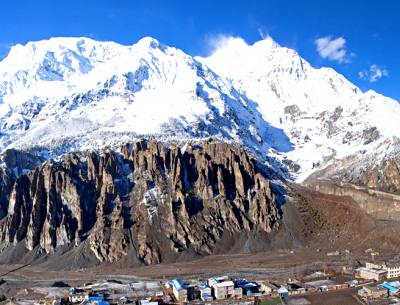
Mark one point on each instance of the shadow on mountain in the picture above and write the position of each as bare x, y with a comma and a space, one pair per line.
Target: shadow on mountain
241, 115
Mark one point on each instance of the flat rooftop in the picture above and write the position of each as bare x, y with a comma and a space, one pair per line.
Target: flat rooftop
225, 284
373, 270
320, 283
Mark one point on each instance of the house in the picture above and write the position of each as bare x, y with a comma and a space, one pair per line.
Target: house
294, 286
250, 289
373, 292
392, 268
238, 293
95, 300
191, 292
321, 285
77, 297
205, 292
222, 288
268, 287
213, 280
74, 290
204, 288
342, 286
371, 273
283, 292
179, 290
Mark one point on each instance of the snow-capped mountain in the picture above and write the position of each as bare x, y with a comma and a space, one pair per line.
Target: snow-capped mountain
71, 94
326, 117
67, 94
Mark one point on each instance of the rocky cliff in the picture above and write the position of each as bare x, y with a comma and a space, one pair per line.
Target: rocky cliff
149, 201
376, 188
385, 176
380, 205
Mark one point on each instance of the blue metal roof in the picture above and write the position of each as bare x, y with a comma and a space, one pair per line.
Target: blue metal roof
178, 284
241, 282
203, 286
250, 285
389, 287
395, 284
95, 298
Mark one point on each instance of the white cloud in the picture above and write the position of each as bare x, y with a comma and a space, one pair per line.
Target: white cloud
374, 73
333, 49
218, 42
231, 43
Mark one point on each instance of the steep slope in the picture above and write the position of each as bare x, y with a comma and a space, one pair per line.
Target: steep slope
326, 118
150, 203
72, 94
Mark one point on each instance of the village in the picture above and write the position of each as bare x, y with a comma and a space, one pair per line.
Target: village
371, 283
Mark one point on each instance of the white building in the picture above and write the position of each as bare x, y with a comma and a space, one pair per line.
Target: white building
238, 292
205, 293
371, 273
393, 269
222, 289
179, 290
77, 297
147, 302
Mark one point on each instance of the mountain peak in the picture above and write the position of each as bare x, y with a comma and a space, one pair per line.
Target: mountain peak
50, 44
266, 43
54, 53
149, 42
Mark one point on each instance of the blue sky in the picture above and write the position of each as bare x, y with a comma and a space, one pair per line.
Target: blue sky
358, 38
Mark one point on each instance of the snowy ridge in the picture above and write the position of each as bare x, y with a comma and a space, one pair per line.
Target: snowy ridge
66, 94
78, 93
325, 116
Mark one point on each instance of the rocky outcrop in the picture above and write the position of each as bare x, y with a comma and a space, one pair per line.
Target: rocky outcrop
380, 205
375, 186
151, 201
20, 161
385, 176
7, 179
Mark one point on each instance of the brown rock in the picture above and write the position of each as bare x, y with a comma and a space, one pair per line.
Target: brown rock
152, 200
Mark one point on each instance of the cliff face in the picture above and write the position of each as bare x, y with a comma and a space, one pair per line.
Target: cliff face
380, 205
384, 176
376, 188
151, 201
7, 180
